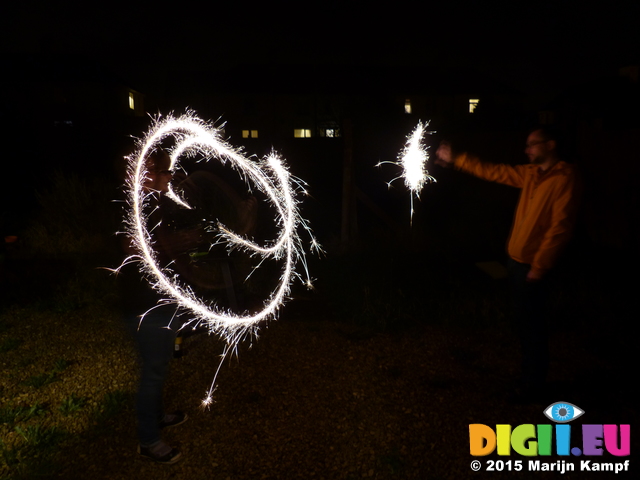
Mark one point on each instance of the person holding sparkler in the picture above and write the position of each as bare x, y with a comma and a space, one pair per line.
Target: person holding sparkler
153, 321
176, 281
176, 234
542, 227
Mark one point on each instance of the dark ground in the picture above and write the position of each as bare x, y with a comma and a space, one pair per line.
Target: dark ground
379, 384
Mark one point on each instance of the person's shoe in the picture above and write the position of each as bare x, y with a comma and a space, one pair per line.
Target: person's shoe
173, 419
160, 452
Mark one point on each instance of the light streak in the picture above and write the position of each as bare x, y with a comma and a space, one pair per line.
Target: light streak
193, 138
413, 160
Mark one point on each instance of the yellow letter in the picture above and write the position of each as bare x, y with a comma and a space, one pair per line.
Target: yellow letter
503, 433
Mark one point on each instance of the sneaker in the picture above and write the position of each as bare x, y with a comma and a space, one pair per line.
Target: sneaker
160, 452
173, 419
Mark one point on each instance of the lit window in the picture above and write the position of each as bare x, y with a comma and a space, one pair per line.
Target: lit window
331, 132
132, 103
249, 133
302, 133
407, 106
473, 103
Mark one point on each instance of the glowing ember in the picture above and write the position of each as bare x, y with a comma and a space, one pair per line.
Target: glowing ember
413, 160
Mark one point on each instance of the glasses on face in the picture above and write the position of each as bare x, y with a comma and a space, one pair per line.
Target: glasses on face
533, 144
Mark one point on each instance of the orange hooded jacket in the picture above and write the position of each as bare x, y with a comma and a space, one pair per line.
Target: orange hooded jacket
546, 212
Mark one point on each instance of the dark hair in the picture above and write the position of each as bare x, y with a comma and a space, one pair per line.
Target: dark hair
547, 132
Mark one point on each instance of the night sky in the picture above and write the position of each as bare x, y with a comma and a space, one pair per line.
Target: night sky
537, 48
532, 46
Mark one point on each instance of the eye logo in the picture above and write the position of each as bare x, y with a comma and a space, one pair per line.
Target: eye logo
562, 412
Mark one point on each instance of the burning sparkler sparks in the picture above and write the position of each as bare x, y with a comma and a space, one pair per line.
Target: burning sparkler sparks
413, 160
194, 138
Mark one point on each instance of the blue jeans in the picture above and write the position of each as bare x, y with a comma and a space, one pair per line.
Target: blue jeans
531, 310
155, 342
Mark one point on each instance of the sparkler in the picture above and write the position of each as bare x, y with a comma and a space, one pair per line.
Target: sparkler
194, 138
413, 160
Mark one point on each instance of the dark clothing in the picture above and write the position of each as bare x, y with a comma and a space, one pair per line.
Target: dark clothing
155, 342
531, 310
136, 293
154, 335
153, 325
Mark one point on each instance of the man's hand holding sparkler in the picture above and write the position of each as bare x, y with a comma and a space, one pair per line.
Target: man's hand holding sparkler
444, 155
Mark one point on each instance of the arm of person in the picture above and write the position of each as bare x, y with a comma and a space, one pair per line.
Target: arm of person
500, 173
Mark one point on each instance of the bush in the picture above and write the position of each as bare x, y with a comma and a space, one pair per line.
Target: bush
74, 219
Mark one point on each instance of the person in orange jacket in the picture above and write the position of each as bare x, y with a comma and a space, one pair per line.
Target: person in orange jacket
542, 226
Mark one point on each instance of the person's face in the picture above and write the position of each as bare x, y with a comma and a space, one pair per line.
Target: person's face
537, 148
158, 177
